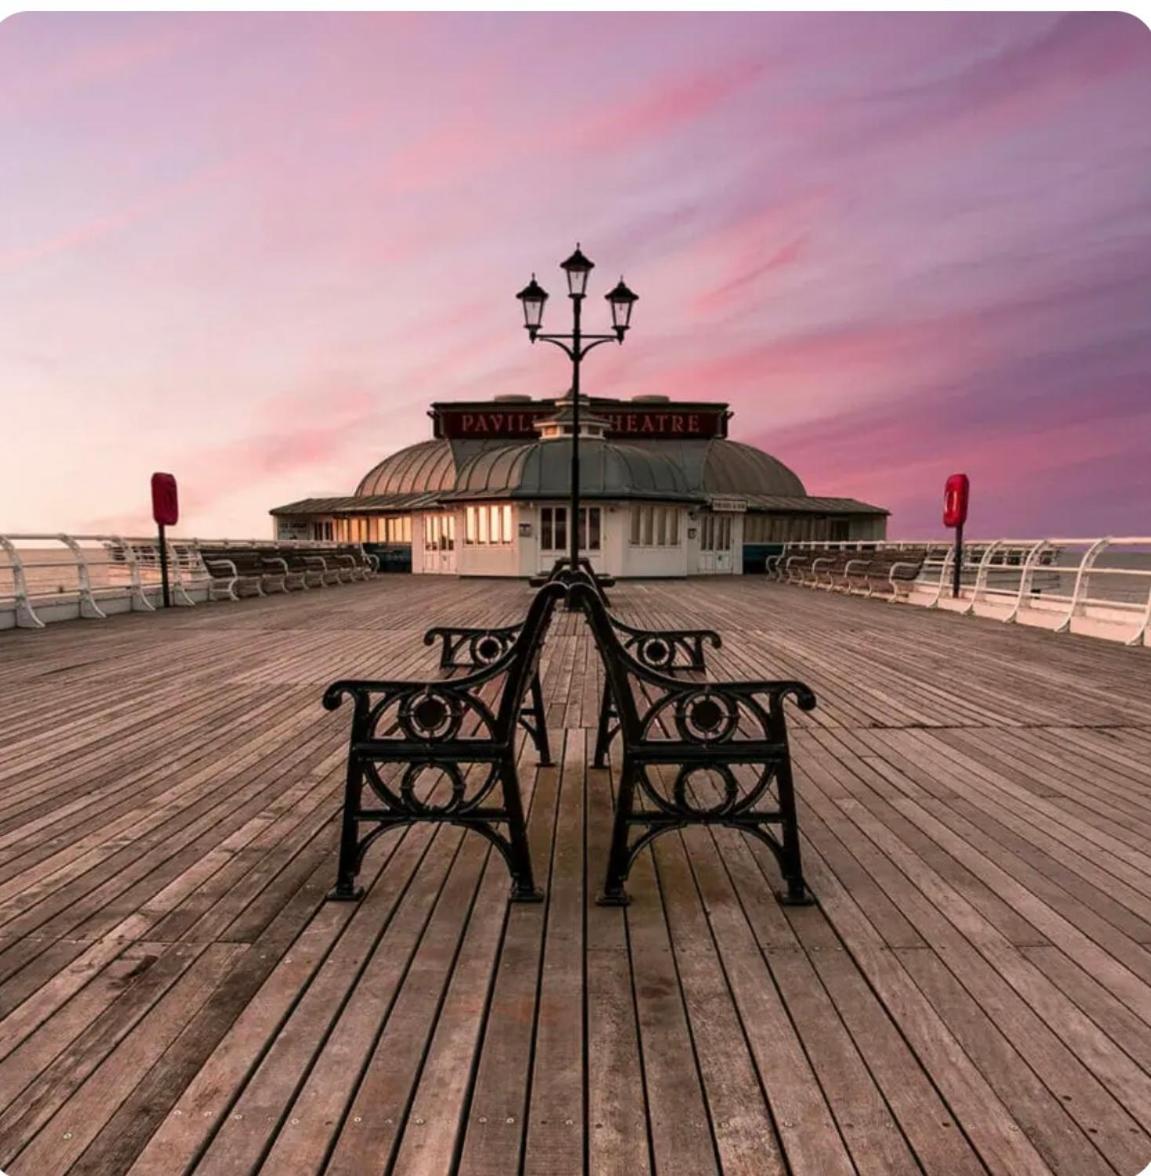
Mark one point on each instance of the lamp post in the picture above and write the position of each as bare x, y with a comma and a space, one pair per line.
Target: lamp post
576, 344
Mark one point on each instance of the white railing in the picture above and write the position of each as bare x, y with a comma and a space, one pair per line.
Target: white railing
1098, 587
50, 577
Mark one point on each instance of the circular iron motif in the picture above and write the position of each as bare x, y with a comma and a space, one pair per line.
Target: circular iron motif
656, 652
706, 717
421, 782
488, 649
430, 716
714, 783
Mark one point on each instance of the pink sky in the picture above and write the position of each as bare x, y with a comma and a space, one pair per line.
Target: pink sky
251, 248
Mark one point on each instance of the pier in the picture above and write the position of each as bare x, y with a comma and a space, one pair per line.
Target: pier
971, 993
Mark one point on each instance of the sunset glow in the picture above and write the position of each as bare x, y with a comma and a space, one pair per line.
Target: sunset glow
252, 248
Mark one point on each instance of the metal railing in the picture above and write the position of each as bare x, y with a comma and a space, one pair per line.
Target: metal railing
1096, 586
47, 577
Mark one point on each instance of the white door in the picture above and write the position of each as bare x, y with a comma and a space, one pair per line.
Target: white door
440, 544
715, 538
555, 540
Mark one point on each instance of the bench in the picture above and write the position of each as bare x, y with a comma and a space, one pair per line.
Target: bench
710, 753
870, 573
256, 570
442, 751
239, 571
563, 573
889, 571
473, 649
666, 651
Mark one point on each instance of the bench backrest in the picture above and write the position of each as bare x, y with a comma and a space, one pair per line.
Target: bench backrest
467, 708
702, 714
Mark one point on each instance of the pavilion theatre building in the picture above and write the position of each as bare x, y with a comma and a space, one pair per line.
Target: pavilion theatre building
664, 492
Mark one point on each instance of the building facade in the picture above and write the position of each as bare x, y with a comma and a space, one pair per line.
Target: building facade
664, 492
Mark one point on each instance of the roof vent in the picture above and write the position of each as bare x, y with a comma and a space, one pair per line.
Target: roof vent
512, 397
652, 399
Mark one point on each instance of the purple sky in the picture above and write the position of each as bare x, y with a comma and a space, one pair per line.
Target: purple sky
251, 249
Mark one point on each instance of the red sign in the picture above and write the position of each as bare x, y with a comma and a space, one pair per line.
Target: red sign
659, 422
165, 505
955, 495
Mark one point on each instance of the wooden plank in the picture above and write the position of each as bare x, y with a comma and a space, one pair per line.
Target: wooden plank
972, 991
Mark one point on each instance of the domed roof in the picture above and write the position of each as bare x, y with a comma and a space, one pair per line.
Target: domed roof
675, 469
731, 467
427, 465
542, 469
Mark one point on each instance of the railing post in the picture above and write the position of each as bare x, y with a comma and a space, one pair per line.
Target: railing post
949, 555
1081, 576
84, 578
136, 591
26, 617
1138, 636
1025, 573
981, 575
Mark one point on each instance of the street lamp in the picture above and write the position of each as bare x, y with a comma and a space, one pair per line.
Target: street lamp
576, 344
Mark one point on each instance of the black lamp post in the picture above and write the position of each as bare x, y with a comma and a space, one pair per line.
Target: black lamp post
576, 345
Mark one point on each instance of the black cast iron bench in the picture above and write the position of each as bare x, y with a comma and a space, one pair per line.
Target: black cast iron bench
670, 651
563, 572
666, 651
440, 751
472, 648
697, 753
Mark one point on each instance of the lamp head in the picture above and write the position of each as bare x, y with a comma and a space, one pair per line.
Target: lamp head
622, 300
532, 297
577, 267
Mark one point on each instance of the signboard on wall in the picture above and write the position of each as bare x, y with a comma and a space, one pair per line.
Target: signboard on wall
626, 419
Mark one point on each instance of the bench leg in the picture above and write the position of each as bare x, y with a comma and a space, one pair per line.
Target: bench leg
524, 888
346, 889
539, 728
603, 730
613, 893
790, 862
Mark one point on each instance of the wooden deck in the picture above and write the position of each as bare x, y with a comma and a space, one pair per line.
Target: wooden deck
971, 994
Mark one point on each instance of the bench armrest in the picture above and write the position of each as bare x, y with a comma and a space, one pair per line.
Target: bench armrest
227, 566
917, 566
465, 648
726, 721
662, 649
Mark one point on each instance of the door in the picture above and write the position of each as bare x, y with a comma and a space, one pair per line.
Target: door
715, 551
554, 538
440, 544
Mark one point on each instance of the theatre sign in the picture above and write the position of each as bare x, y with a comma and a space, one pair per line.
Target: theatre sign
657, 420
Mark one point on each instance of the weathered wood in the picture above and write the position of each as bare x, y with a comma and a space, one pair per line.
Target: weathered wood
972, 993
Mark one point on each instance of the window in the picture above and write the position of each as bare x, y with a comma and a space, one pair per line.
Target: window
439, 532
554, 530
322, 531
715, 532
488, 524
396, 529
654, 526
